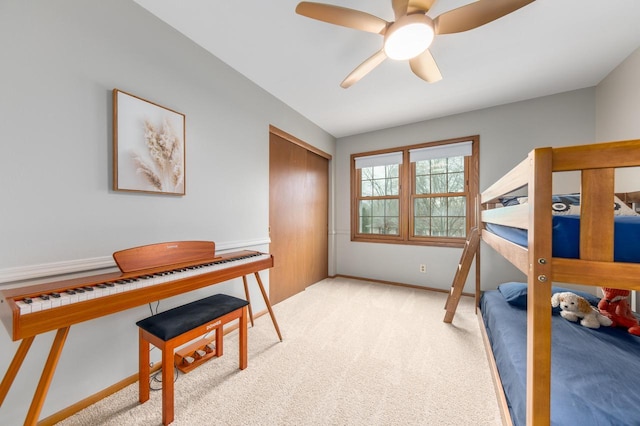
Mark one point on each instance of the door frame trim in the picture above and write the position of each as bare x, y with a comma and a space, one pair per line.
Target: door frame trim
303, 144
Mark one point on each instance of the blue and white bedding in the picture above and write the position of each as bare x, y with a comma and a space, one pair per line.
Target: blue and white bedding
594, 372
566, 237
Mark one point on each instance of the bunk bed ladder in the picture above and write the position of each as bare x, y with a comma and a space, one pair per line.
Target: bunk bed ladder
470, 251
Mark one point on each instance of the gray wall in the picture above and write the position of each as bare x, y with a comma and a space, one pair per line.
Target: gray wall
60, 62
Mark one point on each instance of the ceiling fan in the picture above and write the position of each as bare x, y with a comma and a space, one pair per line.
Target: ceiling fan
412, 32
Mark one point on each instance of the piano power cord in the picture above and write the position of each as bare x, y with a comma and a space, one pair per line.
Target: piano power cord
155, 380
157, 306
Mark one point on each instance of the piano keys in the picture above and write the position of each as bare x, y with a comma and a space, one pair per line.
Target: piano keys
55, 299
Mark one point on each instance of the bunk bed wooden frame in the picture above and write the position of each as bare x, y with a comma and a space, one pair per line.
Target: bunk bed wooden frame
596, 164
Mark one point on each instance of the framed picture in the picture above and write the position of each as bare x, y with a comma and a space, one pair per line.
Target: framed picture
148, 146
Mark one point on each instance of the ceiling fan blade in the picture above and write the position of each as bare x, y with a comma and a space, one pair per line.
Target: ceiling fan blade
420, 5
399, 8
337, 15
425, 67
475, 14
364, 69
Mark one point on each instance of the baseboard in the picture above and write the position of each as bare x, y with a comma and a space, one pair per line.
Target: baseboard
81, 405
417, 287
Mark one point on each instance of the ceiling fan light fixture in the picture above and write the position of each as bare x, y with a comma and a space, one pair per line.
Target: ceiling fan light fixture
408, 37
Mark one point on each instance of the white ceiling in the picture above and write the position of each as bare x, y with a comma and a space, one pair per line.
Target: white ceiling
547, 47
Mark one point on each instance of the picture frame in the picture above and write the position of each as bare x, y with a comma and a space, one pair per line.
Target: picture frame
148, 146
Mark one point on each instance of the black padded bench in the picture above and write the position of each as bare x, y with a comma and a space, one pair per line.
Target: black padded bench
175, 327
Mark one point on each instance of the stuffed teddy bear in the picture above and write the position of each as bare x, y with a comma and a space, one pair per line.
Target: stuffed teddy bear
574, 307
615, 306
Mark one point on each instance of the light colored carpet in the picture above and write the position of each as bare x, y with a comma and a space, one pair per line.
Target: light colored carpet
353, 353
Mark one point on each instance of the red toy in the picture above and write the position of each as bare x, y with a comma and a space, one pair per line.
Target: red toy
615, 305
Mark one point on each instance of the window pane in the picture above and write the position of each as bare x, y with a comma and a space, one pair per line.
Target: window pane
366, 189
423, 185
456, 182
456, 164
379, 172
378, 207
367, 173
380, 181
393, 171
377, 225
439, 165
391, 226
457, 206
421, 226
365, 224
365, 208
457, 226
421, 207
379, 187
439, 226
392, 208
379, 217
439, 206
423, 167
392, 186
439, 183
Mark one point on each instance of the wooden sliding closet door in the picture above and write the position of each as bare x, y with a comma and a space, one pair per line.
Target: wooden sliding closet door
298, 216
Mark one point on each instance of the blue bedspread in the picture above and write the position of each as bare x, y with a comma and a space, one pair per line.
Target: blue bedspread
595, 373
566, 237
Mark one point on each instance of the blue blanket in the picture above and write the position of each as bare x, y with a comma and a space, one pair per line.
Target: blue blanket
595, 372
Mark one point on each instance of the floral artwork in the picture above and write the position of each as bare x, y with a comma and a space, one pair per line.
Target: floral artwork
148, 146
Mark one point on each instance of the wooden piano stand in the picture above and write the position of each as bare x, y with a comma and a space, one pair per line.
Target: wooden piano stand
45, 378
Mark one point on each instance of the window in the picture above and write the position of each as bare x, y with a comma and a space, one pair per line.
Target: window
421, 194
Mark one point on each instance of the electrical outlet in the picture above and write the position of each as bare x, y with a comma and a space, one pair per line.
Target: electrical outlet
423, 268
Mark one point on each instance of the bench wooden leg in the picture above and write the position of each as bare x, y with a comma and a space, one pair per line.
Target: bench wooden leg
167, 383
243, 339
143, 367
219, 340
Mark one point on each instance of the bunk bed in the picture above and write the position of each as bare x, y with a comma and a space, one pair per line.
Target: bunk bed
547, 389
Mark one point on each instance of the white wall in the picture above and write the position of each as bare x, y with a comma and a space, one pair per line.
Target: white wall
60, 62
618, 102
618, 112
507, 134
617, 118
